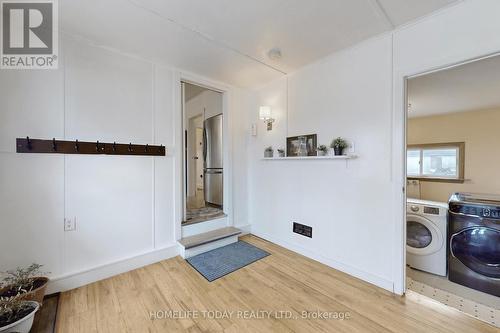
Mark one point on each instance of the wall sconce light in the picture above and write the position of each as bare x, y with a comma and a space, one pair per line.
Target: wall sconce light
265, 114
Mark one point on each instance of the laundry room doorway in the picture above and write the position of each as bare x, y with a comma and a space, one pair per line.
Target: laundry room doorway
452, 188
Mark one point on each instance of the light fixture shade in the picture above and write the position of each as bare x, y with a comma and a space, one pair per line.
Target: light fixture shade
265, 112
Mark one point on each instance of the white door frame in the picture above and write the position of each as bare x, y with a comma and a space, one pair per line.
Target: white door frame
400, 120
179, 125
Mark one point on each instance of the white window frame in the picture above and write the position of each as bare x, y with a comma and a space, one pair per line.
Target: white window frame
459, 146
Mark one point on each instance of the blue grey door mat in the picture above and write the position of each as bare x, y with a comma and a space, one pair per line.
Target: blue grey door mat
216, 263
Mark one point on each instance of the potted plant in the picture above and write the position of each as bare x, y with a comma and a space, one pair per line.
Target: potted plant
338, 145
269, 152
322, 150
16, 315
27, 284
281, 152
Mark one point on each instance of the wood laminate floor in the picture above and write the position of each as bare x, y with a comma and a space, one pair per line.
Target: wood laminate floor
270, 295
45, 318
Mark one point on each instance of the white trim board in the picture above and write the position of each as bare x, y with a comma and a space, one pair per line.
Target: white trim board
205, 226
78, 279
179, 188
245, 229
353, 271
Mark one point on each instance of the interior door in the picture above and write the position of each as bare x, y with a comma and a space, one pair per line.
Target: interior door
199, 160
478, 248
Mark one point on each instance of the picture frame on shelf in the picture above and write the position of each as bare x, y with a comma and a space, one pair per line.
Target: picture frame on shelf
302, 145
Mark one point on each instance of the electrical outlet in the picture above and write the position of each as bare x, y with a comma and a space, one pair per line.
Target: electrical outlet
70, 224
351, 149
254, 129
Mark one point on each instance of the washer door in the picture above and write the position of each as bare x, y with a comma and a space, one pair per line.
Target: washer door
422, 236
478, 248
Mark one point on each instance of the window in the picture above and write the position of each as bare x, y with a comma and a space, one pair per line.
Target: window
436, 162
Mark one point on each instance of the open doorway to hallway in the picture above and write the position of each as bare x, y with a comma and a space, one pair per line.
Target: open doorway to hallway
203, 150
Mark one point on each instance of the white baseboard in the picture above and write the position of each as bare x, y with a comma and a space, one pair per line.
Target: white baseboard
245, 229
78, 279
360, 274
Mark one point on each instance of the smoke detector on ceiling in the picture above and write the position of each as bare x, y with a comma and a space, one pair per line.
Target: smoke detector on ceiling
274, 54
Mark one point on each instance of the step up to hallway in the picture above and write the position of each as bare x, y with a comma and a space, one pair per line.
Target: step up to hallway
197, 244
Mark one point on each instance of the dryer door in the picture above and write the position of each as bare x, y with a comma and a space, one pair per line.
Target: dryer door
478, 248
422, 236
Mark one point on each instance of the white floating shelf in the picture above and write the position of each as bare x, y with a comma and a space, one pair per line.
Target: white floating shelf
339, 157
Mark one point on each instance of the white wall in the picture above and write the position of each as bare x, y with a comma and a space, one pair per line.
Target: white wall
356, 209
123, 205
349, 95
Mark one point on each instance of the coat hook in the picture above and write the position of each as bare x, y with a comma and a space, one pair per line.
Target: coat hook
76, 146
54, 146
146, 149
130, 146
114, 146
29, 142
97, 146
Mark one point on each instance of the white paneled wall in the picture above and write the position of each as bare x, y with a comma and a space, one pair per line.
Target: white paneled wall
349, 95
123, 205
31, 187
32, 210
111, 198
107, 96
31, 103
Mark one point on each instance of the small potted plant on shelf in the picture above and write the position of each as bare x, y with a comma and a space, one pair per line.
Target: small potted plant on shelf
281, 152
322, 150
27, 284
269, 152
338, 145
16, 314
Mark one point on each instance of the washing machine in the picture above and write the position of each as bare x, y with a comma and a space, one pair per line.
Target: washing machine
426, 235
475, 241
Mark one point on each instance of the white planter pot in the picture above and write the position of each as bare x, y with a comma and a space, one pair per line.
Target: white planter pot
22, 325
321, 153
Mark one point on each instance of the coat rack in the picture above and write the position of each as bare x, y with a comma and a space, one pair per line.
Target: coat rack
28, 145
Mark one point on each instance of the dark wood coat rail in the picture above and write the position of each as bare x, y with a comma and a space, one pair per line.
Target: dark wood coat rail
38, 146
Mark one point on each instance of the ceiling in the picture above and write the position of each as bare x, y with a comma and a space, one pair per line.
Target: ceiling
470, 87
228, 40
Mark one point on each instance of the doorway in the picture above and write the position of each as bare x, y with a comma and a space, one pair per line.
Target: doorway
451, 133
203, 149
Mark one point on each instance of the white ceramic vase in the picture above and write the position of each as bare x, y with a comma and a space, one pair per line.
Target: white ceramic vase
23, 325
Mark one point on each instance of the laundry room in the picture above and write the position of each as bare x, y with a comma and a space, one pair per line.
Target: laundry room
453, 187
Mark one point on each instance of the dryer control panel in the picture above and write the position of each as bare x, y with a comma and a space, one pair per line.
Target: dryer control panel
480, 211
431, 210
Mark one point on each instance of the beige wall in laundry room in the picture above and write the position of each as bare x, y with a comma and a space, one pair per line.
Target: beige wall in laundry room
480, 130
